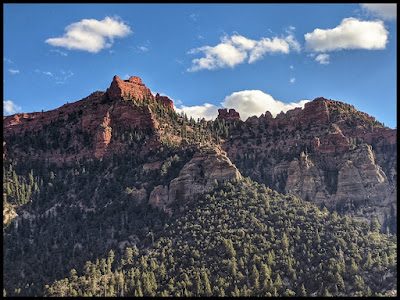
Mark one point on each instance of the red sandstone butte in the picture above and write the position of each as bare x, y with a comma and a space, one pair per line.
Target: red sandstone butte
223, 114
126, 89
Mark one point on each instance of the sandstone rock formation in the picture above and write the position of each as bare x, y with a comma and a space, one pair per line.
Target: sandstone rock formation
165, 100
304, 179
362, 188
125, 89
196, 177
224, 114
315, 152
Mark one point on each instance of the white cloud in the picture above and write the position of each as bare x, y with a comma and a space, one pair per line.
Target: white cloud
207, 111
91, 35
323, 58
10, 107
384, 10
292, 80
221, 56
291, 40
267, 45
350, 34
255, 102
143, 48
48, 73
291, 67
236, 49
13, 71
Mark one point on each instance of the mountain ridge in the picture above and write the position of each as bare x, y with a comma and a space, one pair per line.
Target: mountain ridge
115, 169
329, 134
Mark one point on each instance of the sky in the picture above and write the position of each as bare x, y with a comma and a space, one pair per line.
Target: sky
250, 57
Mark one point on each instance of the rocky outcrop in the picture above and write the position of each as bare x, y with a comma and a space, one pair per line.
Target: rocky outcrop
329, 133
128, 89
332, 142
231, 115
102, 137
159, 197
139, 196
362, 188
134, 88
196, 177
304, 179
165, 101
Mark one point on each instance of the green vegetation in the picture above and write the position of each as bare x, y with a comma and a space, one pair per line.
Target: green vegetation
242, 239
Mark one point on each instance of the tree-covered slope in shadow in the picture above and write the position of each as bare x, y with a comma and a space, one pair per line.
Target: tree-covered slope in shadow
243, 239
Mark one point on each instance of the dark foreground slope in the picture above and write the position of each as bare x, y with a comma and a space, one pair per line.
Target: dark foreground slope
242, 239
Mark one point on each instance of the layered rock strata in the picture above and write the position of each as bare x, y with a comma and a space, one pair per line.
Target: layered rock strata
314, 152
196, 177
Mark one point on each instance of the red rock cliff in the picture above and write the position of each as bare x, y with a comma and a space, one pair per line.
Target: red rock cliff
125, 89
224, 114
165, 100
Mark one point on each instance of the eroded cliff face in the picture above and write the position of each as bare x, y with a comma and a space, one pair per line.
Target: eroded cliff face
196, 177
85, 128
328, 153
361, 188
126, 89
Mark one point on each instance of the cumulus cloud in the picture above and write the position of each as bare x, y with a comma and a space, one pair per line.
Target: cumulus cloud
322, 58
13, 71
386, 11
292, 80
221, 56
10, 108
207, 111
255, 102
91, 35
237, 49
266, 45
350, 34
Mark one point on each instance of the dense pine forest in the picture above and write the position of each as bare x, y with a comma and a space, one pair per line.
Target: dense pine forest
243, 239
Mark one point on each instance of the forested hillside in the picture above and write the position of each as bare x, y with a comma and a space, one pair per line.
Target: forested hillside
243, 239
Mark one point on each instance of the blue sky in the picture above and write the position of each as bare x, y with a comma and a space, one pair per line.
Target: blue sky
251, 57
